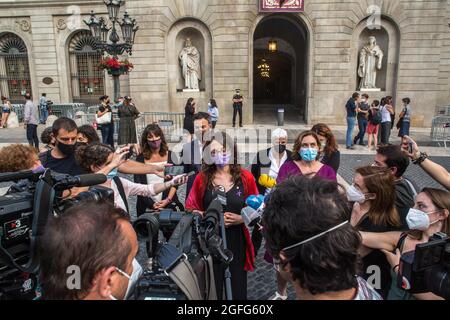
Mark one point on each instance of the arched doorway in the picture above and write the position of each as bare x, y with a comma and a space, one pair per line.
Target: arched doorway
280, 75
87, 79
15, 78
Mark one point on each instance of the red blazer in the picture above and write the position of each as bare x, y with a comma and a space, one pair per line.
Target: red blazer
195, 202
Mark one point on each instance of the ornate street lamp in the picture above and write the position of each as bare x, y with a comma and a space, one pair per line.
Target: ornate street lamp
112, 45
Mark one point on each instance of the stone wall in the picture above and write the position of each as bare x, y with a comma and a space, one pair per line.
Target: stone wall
420, 67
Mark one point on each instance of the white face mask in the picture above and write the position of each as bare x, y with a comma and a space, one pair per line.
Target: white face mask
132, 280
355, 195
419, 220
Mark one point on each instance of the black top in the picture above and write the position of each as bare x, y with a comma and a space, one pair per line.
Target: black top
333, 160
188, 124
404, 198
236, 243
377, 257
365, 107
145, 203
257, 165
351, 108
191, 159
237, 97
66, 165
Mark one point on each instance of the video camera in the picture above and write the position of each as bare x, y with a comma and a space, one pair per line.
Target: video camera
180, 267
24, 212
427, 268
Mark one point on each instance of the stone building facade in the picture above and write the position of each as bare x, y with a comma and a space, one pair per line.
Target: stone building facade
312, 73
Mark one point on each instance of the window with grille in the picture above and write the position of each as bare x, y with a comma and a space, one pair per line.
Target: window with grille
88, 80
15, 78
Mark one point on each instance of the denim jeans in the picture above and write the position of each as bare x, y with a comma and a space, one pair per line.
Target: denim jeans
32, 136
44, 115
362, 124
351, 122
104, 128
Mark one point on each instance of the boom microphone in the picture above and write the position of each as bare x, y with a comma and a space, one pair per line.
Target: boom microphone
64, 182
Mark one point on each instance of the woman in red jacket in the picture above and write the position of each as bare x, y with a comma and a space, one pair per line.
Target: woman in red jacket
220, 168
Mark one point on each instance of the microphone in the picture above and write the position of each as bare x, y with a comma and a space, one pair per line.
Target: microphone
255, 201
220, 194
64, 182
21, 175
267, 181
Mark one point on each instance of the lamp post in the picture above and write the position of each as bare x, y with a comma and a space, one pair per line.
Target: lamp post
113, 46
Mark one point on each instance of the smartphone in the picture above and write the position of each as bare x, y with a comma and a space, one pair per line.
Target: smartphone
173, 171
130, 153
410, 148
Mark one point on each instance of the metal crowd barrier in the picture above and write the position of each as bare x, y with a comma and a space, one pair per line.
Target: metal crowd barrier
19, 110
67, 110
440, 130
443, 111
170, 123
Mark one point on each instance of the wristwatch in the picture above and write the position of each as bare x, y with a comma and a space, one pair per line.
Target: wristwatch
423, 156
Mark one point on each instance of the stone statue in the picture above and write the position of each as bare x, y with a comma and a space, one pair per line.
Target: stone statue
190, 65
370, 61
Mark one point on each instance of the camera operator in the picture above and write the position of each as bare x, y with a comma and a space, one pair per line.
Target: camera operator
96, 157
307, 229
61, 159
430, 215
98, 242
221, 168
18, 157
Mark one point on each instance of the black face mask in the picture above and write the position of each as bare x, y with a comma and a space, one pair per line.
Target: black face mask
280, 148
66, 149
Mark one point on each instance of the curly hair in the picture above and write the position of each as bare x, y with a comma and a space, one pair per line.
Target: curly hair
95, 154
90, 133
156, 131
209, 169
300, 208
17, 157
46, 135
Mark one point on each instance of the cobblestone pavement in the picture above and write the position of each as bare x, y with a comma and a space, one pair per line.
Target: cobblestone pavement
261, 282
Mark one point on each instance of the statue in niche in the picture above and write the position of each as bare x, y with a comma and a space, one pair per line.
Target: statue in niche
370, 61
190, 66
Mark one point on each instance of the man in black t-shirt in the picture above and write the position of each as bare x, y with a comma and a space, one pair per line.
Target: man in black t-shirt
62, 158
237, 107
363, 113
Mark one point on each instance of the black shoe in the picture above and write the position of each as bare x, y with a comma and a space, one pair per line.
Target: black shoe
350, 148
241, 126
363, 144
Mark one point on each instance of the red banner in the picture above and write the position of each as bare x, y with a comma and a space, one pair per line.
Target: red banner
281, 5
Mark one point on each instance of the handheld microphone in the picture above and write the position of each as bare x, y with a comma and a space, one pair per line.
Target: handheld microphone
64, 182
220, 194
255, 201
267, 181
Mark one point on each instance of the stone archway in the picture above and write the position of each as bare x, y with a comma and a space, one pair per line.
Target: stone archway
286, 84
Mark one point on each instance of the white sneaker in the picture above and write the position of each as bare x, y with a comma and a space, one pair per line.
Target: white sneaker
278, 296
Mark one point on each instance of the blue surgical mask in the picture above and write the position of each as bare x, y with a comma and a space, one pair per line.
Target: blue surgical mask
112, 174
309, 154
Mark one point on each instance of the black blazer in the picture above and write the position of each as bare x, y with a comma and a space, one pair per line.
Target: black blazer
257, 165
333, 160
191, 159
144, 203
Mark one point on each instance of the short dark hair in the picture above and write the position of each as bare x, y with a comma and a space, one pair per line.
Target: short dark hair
87, 235
44, 94
355, 95
27, 96
376, 103
103, 98
94, 154
89, 132
395, 158
406, 100
201, 116
365, 95
300, 208
63, 123
46, 135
